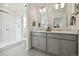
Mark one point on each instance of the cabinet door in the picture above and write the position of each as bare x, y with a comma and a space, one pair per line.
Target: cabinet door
78, 45
35, 42
42, 43
68, 48
53, 46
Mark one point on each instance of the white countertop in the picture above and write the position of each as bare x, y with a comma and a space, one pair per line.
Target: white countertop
56, 31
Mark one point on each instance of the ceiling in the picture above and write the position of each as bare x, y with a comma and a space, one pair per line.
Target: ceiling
39, 5
18, 8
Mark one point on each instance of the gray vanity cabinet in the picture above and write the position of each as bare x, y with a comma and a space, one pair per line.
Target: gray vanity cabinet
62, 44
68, 48
35, 42
39, 41
53, 46
56, 43
42, 43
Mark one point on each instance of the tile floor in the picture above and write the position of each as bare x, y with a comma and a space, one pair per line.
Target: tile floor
20, 50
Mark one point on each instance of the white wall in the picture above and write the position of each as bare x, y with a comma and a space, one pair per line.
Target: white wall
0, 28
18, 29
51, 13
29, 27
34, 13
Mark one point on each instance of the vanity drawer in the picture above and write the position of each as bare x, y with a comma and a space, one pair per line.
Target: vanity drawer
62, 36
39, 34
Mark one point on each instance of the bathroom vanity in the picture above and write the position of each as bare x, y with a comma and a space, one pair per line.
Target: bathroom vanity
60, 38
56, 43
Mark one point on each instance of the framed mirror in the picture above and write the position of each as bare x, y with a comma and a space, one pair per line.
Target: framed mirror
59, 17
76, 8
43, 17
58, 22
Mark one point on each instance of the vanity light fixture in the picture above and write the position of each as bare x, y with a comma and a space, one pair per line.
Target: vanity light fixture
40, 10
62, 5
59, 4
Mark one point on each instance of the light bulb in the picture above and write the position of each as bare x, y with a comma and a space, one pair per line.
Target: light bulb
56, 6
62, 5
44, 9
40, 10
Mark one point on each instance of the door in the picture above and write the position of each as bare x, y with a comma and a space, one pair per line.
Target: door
53, 46
68, 48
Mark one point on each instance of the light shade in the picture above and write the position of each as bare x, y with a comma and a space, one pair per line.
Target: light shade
40, 10
44, 9
62, 5
56, 6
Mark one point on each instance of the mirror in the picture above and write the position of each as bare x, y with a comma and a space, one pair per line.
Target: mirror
58, 22
43, 16
59, 17
76, 8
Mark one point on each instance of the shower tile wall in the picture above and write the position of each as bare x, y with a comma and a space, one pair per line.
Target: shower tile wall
9, 27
